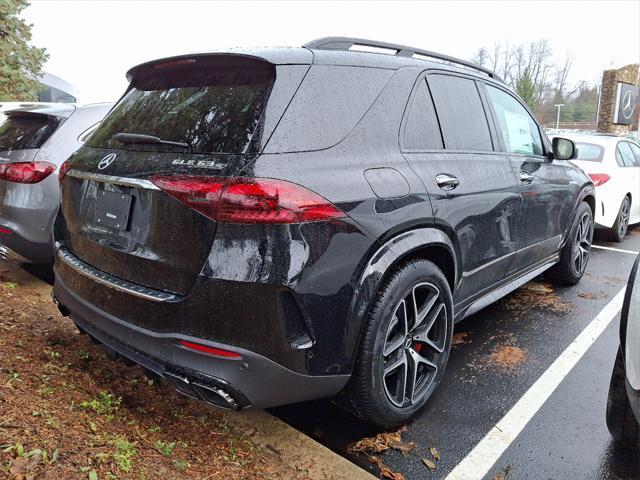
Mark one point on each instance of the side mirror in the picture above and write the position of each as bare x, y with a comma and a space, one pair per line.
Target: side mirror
564, 149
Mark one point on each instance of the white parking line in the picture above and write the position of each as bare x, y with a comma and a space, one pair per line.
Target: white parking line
615, 249
482, 458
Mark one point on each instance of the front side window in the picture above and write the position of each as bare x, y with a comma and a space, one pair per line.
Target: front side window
519, 131
624, 155
462, 118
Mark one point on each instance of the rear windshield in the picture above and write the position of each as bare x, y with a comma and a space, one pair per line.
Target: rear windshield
589, 152
23, 131
211, 109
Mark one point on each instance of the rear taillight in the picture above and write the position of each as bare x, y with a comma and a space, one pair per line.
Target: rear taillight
64, 168
248, 200
5, 231
599, 178
26, 172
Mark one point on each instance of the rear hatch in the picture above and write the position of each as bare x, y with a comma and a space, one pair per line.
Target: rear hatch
197, 117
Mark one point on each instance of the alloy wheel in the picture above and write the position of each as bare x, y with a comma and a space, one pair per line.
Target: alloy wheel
582, 244
415, 342
623, 219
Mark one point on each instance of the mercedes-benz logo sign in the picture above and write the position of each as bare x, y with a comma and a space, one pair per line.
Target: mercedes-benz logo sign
628, 105
106, 161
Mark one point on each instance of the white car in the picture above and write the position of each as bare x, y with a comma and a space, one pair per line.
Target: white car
613, 163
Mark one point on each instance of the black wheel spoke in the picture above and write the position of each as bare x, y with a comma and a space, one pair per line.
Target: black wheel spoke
423, 336
419, 368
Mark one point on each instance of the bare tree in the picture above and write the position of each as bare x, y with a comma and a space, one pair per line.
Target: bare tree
514, 62
562, 73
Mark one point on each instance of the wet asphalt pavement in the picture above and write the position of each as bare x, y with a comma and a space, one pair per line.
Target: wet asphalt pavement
567, 438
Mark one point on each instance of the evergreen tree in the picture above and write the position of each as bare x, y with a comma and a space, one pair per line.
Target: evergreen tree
20, 63
527, 89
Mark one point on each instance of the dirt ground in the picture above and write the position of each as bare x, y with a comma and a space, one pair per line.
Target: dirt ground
69, 412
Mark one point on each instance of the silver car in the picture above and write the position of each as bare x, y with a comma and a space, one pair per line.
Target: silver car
34, 142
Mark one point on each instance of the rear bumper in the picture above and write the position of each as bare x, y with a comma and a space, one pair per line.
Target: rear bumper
15, 248
252, 381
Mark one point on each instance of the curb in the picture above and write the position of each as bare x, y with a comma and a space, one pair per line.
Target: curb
305, 455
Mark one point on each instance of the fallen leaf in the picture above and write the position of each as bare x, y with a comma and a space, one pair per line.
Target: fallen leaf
385, 471
404, 447
383, 442
503, 475
459, 338
539, 287
435, 452
18, 466
592, 296
430, 465
507, 357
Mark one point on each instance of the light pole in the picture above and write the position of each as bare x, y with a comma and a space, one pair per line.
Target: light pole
559, 105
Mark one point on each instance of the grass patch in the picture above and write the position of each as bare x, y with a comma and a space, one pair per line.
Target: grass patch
165, 448
124, 453
105, 404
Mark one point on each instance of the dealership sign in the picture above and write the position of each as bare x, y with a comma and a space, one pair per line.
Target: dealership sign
626, 103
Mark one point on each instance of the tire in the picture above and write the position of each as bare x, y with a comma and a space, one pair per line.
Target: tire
393, 347
574, 256
621, 225
621, 421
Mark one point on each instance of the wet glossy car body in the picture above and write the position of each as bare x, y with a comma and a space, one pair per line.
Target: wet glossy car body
623, 402
289, 300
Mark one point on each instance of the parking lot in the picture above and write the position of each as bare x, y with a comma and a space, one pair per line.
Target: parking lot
499, 353
498, 414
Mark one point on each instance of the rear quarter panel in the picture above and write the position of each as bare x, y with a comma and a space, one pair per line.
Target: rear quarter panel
339, 173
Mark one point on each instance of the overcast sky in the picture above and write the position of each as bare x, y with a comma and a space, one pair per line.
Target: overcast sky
93, 43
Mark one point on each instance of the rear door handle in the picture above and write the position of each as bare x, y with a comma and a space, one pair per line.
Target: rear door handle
526, 177
447, 182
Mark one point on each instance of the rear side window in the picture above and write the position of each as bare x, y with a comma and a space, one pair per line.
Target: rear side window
589, 152
210, 108
421, 130
461, 114
624, 155
23, 131
636, 152
519, 131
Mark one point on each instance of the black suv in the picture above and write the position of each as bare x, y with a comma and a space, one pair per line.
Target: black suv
261, 227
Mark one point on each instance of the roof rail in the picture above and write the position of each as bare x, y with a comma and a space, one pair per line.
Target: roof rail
347, 43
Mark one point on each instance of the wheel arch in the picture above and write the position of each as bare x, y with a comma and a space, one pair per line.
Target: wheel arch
586, 194
591, 201
424, 243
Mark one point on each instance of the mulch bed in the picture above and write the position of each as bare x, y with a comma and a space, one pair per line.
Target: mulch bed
67, 411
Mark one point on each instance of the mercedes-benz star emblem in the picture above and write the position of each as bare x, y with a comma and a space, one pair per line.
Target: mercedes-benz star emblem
106, 161
628, 105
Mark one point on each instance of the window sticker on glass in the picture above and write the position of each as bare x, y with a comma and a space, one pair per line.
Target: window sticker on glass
519, 131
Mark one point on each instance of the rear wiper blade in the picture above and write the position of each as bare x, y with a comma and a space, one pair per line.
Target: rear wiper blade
139, 138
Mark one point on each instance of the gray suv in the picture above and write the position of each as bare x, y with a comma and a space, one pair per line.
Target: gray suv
34, 142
